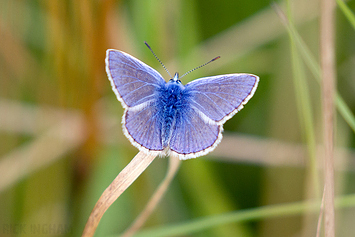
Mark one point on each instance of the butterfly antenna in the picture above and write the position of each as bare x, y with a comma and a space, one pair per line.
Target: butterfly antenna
200, 66
151, 50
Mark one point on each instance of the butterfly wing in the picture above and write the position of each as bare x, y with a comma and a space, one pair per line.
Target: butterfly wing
136, 86
211, 101
218, 98
192, 136
133, 81
143, 128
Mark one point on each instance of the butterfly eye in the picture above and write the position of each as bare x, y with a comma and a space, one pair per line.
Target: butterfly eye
177, 81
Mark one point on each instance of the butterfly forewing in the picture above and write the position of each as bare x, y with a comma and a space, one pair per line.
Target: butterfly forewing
218, 98
134, 82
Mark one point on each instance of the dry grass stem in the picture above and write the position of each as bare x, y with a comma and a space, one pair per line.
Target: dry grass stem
174, 164
123, 180
272, 152
328, 88
30, 119
63, 136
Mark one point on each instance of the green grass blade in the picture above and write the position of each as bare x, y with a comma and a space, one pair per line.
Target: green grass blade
314, 67
347, 12
304, 106
254, 214
345, 111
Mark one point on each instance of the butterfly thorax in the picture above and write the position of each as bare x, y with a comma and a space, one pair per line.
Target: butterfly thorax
170, 107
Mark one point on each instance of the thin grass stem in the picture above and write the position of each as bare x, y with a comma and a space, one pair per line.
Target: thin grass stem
328, 94
174, 165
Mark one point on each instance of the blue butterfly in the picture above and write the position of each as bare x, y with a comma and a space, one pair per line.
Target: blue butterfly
163, 117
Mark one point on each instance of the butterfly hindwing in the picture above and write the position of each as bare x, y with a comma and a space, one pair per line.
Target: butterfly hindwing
133, 82
192, 136
218, 98
143, 128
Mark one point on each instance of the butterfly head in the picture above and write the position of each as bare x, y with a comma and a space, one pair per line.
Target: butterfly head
175, 78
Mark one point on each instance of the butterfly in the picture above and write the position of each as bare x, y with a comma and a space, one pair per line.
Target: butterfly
168, 117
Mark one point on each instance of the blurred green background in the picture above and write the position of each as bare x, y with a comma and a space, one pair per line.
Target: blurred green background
61, 142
